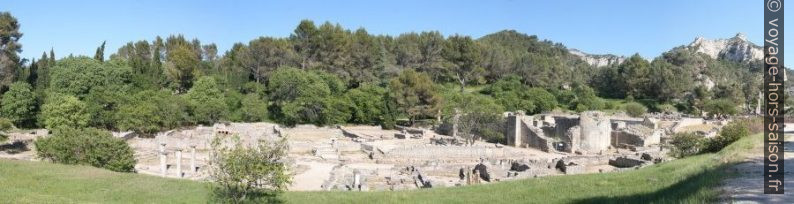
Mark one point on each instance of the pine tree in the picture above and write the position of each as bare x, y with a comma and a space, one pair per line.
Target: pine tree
302, 38
9, 48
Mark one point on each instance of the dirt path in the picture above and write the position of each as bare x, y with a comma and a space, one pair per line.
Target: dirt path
313, 178
748, 186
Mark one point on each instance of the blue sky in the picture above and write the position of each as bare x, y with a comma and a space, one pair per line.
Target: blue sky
609, 26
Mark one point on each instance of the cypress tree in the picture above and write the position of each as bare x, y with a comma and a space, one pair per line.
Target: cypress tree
52, 58
33, 73
100, 52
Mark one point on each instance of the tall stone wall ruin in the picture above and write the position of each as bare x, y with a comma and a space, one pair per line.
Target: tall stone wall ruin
595, 132
522, 132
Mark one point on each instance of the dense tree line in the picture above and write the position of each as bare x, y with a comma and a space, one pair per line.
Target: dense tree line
694, 82
327, 74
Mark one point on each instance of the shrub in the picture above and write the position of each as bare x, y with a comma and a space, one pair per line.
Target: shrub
89, 146
685, 144
611, 105
720, 107
318, 111
542, 99
586, 99
481, 125
102, 105
78, 76
18, 104
368, 104
234, 104
666, 108
513, 96
301, 97
635, 109
64, 111
733, 131
150, 111
5, 124
253, 108
480, 117
207, 102
248, 173
254, 88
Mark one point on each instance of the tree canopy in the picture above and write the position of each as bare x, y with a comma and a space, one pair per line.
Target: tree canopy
325, 74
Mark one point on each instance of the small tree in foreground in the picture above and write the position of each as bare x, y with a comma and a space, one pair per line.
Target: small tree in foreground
248, 172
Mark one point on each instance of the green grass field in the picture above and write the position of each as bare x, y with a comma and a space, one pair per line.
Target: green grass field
686, 180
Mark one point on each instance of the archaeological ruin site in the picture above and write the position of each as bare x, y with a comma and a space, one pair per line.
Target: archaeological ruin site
368, 158
394, 102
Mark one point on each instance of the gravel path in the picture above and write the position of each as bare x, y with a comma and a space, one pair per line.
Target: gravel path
748, 186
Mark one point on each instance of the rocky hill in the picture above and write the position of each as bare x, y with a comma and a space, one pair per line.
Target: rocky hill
737, 49
597, 60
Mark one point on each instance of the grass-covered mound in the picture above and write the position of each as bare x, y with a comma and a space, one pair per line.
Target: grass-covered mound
685, 180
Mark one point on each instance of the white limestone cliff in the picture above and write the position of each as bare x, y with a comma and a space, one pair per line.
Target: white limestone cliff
597, 60
737, 49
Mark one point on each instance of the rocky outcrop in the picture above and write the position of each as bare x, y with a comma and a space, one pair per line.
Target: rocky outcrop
737, 49
597, 60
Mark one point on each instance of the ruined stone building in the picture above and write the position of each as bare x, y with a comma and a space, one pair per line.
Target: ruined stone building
589, 132
644, 134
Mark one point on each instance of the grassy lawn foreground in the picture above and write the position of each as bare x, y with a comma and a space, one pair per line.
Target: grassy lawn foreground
686, 180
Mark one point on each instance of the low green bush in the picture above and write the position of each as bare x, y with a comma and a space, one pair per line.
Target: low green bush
720, 108
635, 109
5, 124
685, 144
88, 146
666, 108
732, 132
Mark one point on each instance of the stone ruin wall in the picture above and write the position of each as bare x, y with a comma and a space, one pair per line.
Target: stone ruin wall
596, 132
572, 137
424, 152
620, 138
521, 132
534, 138
590, 132
561, 126
512, 132
566, 129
